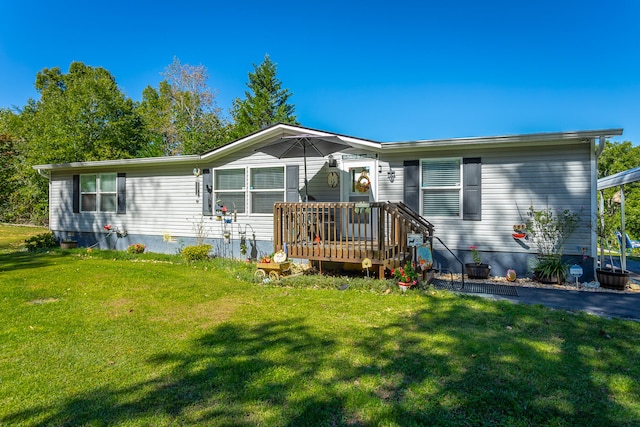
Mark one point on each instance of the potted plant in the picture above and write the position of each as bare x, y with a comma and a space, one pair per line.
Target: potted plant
68, 244
549, 230
551, 269
609, 278
476, 269
406, 276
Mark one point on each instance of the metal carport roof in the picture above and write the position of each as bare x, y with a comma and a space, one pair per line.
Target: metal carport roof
620, 178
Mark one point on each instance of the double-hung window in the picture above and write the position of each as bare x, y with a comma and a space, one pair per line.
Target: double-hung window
441, 185
98, 192
266, 187
230, 187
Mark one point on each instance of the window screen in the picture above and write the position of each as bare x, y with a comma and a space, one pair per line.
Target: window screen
441, 187
267, 187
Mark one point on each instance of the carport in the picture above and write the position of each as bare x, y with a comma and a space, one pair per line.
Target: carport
617, 180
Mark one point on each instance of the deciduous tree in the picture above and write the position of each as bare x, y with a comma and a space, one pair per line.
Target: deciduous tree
79, 116
618, 157
181, 114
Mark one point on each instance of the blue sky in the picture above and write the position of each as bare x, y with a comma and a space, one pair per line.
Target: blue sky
389, 71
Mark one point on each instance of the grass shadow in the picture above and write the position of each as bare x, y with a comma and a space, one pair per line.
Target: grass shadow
29, 260
461, 363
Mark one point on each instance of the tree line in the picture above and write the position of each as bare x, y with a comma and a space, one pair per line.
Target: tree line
83, 115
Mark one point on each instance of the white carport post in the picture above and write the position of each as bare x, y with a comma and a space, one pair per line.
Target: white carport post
623, 233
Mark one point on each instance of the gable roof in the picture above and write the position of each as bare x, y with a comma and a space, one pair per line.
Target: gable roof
277, 131
271, 133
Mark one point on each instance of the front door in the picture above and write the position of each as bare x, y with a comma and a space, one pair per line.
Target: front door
359, 186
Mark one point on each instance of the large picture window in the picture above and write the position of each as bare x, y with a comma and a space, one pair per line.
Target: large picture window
441, 187
266, 188
229, 185
98, 192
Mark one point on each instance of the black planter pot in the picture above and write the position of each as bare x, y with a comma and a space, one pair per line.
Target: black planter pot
548, 280
477, 271
610, 279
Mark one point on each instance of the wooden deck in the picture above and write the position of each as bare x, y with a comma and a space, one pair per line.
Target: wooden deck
348, 232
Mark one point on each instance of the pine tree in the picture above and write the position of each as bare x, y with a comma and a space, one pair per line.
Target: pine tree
266, 103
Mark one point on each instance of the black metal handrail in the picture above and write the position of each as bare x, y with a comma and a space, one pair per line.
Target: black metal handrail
462, 269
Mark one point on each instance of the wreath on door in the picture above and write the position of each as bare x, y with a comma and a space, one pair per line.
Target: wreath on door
363, 183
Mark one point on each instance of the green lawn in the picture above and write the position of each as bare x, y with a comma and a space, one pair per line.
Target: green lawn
111, 339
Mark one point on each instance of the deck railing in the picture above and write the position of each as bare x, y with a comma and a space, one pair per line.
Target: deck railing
348, 232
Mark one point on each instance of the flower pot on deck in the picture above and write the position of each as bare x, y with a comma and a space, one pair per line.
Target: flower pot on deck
611, 279
477, 271
404, 286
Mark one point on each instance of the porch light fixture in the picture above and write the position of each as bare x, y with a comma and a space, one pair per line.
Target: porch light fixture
332, 161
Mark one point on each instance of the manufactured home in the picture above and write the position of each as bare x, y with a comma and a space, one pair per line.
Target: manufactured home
359, 199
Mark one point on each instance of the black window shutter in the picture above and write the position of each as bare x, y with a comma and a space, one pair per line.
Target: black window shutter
122, 193
207, 193
76, 193
412, 184
472, 189
292, 194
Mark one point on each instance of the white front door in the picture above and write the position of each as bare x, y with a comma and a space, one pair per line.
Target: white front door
359, 186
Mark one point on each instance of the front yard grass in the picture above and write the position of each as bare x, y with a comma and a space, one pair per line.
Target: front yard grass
106, 338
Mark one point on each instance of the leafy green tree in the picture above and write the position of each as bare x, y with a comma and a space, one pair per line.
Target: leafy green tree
80, 116
266, 102
181, 114
617, 157
23, 195
8, 165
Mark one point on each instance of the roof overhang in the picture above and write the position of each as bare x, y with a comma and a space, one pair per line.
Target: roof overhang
144, 161
278, 131
545, 138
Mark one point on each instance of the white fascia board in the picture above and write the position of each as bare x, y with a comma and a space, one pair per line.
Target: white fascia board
141, 161
278, 131
530, 138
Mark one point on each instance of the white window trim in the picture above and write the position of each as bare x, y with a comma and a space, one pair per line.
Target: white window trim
243, 190
458, 187
250, 190
98, 192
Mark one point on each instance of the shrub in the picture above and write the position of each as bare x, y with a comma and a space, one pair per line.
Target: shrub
196, 252
41, 241
136, 248
549, 230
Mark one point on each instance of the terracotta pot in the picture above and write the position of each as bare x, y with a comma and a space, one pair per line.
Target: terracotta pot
68, 245
477, 271
610, 279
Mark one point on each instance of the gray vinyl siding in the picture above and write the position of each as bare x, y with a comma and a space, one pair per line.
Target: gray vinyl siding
513, 179
161, 199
